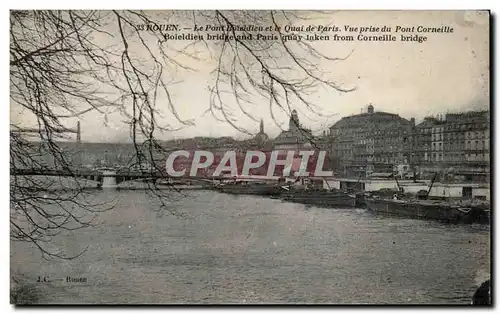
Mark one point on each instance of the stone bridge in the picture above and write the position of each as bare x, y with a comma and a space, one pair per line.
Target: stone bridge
110, 178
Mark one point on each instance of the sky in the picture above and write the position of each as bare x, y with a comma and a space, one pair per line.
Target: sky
447, 73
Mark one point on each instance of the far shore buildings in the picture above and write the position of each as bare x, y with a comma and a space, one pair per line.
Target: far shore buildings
378, 143
370, 144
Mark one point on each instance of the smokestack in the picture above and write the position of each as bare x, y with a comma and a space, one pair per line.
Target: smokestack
78, 134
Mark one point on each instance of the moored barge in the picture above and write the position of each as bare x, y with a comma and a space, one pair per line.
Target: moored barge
319, 197
249, 188
431, 209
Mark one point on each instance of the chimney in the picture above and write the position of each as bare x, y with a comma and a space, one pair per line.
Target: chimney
78, 134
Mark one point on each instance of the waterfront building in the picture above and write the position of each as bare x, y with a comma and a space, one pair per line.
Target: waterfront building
460, 145
372, 143
424, 139
437, 138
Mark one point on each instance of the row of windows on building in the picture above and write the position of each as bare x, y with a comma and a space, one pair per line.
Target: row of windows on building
454, 135
365, 132
469, 145
369, 143
453, 127
419, 140
459, 157
381, 160
473, 125
367, 150
389, 160
434, 157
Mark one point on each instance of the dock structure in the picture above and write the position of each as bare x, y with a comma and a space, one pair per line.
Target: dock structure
438, 189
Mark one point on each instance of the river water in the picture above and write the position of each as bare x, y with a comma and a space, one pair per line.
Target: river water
247, 249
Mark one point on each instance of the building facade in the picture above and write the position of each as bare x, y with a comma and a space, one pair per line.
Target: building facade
371, 142
424, 140
459, 146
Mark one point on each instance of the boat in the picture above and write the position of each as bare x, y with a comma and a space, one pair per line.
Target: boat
444, 211
318, 197
360, 199
249, 188
421, 207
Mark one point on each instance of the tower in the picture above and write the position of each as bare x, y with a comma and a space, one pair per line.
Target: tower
78, 134
293, 124
78, 145
261, 137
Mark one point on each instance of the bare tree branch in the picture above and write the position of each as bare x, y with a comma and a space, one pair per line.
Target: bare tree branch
67, 64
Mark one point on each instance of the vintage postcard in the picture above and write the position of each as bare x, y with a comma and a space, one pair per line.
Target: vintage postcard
250, 157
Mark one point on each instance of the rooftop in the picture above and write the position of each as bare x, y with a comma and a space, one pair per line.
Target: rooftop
371, 117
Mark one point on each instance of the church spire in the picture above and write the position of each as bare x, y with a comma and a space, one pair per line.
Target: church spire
293, 124
261, 137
